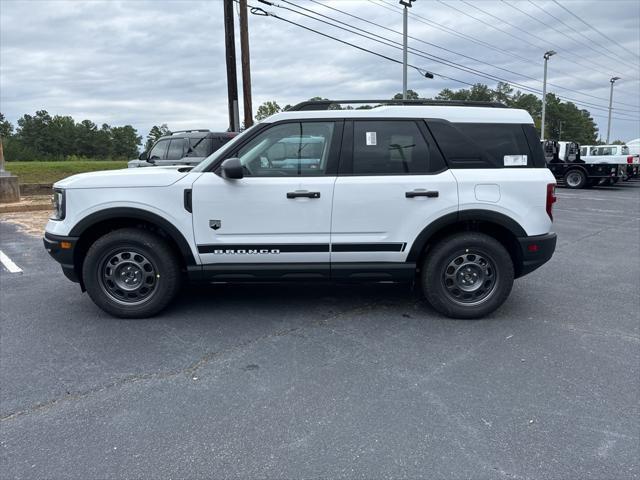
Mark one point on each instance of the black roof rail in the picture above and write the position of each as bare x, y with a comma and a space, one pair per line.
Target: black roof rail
191, 131
325, 104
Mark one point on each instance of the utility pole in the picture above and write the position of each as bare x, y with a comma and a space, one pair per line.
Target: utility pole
232, 79
246, 65
612, 81
544, 92
406, 4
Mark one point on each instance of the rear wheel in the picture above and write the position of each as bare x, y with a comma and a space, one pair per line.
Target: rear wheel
575, 179
131, 273
467, 275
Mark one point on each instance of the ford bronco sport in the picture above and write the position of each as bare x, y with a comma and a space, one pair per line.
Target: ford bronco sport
453, 196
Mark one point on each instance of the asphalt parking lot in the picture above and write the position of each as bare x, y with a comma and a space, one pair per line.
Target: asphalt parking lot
301, 381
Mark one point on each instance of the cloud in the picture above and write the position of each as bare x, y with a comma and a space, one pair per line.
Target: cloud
150, 62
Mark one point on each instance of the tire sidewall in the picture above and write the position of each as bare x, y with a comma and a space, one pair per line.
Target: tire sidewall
147, 244
583, 179
442, 254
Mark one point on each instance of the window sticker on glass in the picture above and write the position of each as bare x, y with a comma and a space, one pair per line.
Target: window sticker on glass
371, 139
515, 160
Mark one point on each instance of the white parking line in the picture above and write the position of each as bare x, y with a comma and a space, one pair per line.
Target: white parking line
8, 263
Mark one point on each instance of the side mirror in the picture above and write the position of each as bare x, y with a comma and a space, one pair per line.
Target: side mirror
232, 169
143, 155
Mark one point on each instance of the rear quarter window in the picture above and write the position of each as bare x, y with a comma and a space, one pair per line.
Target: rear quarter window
485, 145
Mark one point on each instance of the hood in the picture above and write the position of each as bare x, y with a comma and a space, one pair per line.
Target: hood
127, 177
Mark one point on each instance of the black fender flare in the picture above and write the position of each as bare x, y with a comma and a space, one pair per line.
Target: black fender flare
462, 216
136, 214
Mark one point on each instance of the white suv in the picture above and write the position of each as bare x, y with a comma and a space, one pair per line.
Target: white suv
455, 196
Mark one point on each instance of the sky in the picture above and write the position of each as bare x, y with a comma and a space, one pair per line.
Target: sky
149, 62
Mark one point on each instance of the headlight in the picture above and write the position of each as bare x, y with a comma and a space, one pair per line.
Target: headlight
58, 200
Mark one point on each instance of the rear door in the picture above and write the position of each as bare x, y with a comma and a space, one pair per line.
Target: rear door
392, 184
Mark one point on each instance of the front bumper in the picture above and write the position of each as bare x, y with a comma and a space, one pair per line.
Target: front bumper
62, 248
535, 251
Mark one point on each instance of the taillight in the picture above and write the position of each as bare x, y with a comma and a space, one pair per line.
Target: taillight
551, 199
630, 159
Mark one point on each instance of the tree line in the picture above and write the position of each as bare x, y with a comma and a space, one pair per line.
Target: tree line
563, 120
59, 137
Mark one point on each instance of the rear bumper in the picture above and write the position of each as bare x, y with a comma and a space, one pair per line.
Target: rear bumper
64, 256
536, 251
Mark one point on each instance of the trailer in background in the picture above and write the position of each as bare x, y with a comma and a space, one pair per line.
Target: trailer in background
565, 162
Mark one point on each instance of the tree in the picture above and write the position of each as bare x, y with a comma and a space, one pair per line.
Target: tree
154, 134
267, 109
33, 131
103, 142
503, 93
125, 141
6, 129
86, 135
478, 92
411, 95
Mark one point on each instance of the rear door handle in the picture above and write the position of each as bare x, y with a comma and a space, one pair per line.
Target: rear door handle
422, 193
303, 193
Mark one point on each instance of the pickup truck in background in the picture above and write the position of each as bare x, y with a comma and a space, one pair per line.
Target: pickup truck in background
565, 161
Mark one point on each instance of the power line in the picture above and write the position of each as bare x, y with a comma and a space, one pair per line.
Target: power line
549, 25
442, 48
595, 29
477, 41
450, 31
538, 47
390, 43
578, 32
261, 12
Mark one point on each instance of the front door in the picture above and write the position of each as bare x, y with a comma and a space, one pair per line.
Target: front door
280, 212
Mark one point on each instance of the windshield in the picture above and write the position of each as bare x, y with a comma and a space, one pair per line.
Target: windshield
221, 152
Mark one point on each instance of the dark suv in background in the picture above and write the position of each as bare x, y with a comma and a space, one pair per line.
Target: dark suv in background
184, 147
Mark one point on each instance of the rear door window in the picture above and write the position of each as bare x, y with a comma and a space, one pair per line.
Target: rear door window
389, 148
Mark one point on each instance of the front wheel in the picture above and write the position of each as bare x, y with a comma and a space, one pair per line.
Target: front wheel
131, 273
467, 275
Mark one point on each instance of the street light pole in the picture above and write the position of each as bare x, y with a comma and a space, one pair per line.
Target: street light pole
612, 81
405, 14
547, 55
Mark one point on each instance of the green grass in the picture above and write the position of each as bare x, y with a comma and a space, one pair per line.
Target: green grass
50, 172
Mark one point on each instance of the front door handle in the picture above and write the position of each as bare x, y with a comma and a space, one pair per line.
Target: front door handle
303, 193
422, 193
